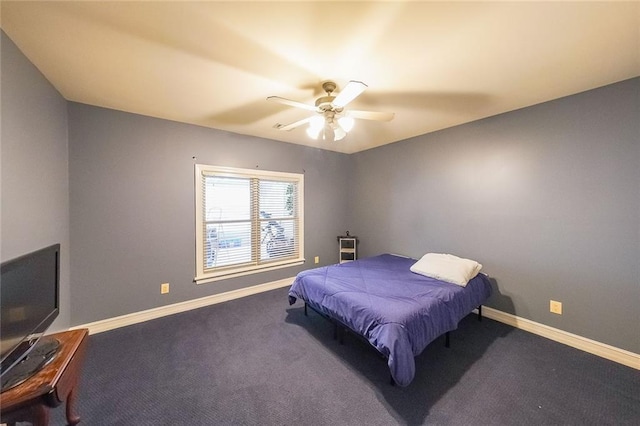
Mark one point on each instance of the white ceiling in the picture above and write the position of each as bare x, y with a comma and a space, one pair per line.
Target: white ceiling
434, 64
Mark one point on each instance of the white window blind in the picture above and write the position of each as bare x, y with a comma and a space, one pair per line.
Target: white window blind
247, 221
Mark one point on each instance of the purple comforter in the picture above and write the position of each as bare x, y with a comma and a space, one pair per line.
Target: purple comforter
397, 311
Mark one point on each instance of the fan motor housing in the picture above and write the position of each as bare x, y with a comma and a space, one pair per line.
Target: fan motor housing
324, 103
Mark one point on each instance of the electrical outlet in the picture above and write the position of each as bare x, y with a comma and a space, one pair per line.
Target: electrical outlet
555, 307
317, 259
164, 288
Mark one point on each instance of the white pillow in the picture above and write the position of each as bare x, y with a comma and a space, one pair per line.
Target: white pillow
447, 267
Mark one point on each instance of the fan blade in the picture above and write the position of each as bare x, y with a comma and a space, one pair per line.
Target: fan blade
352, 90
370, 115
292, 103
292, 126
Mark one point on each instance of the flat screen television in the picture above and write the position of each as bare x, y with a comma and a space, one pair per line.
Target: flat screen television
29, 302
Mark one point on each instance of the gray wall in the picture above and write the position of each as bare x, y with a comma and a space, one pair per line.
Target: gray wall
132, 207
34, 166
547, 198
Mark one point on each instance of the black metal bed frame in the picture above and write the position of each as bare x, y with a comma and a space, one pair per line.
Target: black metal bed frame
340, 329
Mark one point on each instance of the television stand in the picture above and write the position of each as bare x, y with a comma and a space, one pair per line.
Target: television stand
50, 386
42, 354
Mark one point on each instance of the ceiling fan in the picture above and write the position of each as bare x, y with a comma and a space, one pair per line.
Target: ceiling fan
331, 121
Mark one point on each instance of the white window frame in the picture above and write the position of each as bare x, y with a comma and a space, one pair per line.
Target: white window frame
204, 275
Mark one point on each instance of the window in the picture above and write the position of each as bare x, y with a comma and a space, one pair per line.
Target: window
247, 221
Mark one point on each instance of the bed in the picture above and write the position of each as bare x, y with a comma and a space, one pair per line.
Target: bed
397, 311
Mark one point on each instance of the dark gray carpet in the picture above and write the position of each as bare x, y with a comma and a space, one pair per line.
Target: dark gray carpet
257, 361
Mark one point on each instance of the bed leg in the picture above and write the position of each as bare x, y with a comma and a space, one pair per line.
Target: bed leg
446, 339
305, 309
480, 313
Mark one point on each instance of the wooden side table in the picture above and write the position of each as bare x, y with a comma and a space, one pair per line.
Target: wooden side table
48, 388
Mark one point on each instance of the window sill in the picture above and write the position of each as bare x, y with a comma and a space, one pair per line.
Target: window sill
225, 275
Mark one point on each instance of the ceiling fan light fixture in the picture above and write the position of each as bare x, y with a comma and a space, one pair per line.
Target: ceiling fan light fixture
346, 123
339, 133
328, 129
314, 131
316, 124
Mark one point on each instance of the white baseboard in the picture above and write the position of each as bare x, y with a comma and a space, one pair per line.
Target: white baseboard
142, 316
603, 350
